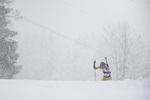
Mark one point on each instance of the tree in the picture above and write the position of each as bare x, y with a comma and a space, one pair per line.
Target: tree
125, 48
8, 47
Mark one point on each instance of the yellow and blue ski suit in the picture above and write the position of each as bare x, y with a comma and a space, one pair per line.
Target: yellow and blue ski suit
106, 72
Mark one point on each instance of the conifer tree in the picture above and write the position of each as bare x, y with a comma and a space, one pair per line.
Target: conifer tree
8, 47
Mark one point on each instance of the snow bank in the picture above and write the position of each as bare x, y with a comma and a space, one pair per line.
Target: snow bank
75, 90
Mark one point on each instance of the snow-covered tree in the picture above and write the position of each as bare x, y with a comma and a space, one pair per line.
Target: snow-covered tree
126, 50
8, 47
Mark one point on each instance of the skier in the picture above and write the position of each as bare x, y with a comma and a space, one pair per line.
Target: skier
106, 71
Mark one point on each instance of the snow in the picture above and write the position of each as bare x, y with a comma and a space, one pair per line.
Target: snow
75, 90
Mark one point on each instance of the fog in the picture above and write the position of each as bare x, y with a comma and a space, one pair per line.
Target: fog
60, 39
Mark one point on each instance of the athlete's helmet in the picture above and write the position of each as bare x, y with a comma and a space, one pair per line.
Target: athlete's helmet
102, 64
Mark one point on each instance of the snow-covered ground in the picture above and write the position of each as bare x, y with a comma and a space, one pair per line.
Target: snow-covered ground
75, 90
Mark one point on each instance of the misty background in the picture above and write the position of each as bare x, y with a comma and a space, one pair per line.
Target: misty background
60, 39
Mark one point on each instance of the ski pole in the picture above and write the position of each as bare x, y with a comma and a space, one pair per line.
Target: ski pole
94, 70
107, 65
106, 60
95, 73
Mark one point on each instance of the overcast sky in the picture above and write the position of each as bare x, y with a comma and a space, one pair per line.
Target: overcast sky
80, 16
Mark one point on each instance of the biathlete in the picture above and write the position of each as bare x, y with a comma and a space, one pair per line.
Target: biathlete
106, 71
